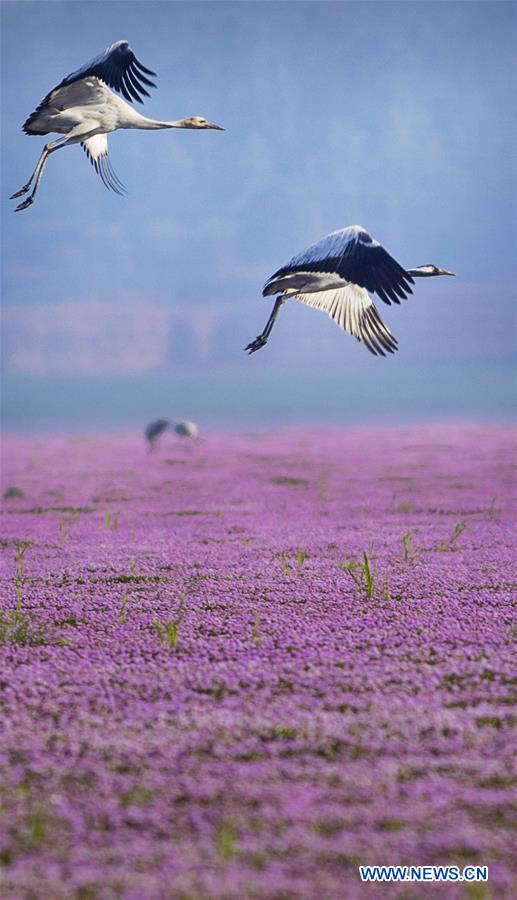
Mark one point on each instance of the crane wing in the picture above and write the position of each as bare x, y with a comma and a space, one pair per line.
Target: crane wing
119, 68
356, 257
354, 311
96, 149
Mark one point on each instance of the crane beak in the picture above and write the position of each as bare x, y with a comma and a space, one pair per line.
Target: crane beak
445, 272
215, 127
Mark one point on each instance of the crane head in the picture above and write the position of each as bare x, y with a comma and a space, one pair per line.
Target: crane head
200, 122
428, 271
431, 269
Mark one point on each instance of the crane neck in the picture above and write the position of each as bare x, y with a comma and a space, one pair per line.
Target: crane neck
133, 119
421, 272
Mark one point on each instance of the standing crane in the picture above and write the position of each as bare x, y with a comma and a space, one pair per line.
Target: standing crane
154, 430
84, 109
335, 275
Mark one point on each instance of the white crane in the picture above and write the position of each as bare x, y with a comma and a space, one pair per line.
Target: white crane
187, 429
335, 275
84, 109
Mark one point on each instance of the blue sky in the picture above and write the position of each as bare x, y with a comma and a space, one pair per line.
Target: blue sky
397, 116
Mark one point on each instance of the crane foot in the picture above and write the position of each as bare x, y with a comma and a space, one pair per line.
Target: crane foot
255, 345
28, 202
21, 192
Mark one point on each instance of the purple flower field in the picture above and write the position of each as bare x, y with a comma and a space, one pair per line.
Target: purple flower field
241, 668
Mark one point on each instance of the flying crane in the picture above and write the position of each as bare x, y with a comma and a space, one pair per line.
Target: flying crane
84, 109
335, 275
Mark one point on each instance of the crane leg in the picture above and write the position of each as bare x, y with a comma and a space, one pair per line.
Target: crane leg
47, 149
38, 171
261, 340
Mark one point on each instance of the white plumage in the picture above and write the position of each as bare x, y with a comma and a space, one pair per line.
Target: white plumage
84, 109
353, 309
335, 275
96, 149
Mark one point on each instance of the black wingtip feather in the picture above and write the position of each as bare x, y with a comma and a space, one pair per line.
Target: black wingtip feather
143, 68
119, 69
